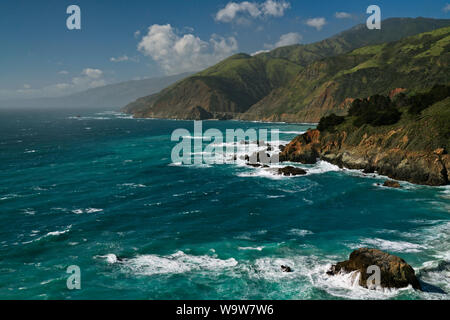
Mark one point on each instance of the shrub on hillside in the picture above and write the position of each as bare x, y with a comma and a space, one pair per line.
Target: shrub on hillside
422, 101
329, 122
377, 110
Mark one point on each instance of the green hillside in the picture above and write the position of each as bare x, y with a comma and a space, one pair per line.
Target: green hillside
325, 86
304, 82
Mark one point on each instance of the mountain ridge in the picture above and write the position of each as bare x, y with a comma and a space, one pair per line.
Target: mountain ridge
248, 87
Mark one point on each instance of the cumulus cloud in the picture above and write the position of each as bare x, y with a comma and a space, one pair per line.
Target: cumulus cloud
317, 23
285, 40
343, 15
289, 39
92, 73
447, 7
239, 11
182, 53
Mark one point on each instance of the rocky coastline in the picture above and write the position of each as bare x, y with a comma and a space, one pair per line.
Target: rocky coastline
372, 153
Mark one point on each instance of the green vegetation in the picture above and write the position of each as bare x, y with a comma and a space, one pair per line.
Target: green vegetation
306, 82
329, 123
421, 101
377, 110
431, 108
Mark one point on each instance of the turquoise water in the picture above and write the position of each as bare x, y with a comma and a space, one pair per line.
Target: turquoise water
84, 190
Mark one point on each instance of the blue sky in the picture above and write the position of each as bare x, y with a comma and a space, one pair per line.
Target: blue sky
124, 40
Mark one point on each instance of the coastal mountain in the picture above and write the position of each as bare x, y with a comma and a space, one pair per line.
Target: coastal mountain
110, 96
301, 83
405, 138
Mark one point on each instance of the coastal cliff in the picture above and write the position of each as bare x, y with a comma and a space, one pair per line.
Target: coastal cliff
414, 149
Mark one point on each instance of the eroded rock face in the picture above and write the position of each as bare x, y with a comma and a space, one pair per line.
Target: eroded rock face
395, 272
386, 153
303, 149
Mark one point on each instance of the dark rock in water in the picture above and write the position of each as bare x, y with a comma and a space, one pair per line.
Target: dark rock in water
291, 171
392, 184
269, 148
282, 147
395, 272
254, 165
286, 269
247, 158
369, 170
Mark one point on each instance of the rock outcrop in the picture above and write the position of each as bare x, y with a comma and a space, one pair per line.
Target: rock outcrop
395, 272
388, 151
303, 149
392, 184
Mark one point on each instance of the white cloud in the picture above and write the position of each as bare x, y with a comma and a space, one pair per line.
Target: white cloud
447, 7
92, 73
289, 39
124, 58
317, 23
181, 53
285, 40
259, 52
26, 86
343, 15
119, 59
235, 11
63, 72
137, 33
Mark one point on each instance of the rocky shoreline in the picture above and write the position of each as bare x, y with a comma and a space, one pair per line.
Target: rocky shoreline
381, 153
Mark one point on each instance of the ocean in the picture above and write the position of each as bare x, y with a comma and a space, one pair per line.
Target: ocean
98, 190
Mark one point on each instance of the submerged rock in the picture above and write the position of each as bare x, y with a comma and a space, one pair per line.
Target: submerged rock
395, 272
286, 269
392, 184
291, 171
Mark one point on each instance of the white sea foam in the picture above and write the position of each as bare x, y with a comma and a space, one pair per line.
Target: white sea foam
176, 263
132, 185
109, 258
87, 210
395, 246
9, 196
252, 248
300, 233
322, 167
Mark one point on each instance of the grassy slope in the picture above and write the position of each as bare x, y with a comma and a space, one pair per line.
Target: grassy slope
242, 81
427, 131
321, 88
